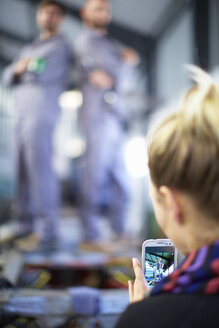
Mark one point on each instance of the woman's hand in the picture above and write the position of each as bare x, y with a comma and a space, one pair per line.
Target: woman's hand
137, 288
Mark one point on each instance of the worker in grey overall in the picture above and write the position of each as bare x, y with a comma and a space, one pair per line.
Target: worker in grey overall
161, 268
155, 269
102, 65
38, 77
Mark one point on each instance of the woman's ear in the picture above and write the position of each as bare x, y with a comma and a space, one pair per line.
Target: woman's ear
172, 203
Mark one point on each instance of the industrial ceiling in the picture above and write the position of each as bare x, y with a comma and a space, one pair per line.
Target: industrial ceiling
135, 22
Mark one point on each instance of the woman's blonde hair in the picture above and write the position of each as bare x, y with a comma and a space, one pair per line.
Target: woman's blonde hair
184, 149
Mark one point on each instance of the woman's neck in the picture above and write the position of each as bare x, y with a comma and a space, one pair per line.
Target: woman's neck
198, 228
198, 239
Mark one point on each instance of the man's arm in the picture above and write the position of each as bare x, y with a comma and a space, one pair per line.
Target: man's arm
130, 56
91, 73
12, 73
100, 79
57, 66
89, 66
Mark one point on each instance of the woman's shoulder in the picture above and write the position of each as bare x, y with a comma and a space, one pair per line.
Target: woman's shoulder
171, 311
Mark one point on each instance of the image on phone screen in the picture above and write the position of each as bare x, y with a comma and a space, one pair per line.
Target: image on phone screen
159, 263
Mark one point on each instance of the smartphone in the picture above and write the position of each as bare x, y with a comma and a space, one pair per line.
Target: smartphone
158, 259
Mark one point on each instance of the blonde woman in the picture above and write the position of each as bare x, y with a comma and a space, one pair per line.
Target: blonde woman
184, 169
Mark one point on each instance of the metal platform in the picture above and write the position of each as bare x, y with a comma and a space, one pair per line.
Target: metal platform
61, 272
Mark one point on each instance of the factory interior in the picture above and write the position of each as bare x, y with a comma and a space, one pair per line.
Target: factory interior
38, 286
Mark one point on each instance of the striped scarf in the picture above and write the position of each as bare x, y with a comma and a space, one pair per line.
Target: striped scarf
198, 274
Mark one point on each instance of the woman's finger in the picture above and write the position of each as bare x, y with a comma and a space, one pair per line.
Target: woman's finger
131, 291
137, 269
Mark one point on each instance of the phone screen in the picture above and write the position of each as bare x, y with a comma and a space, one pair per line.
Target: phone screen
159, 263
